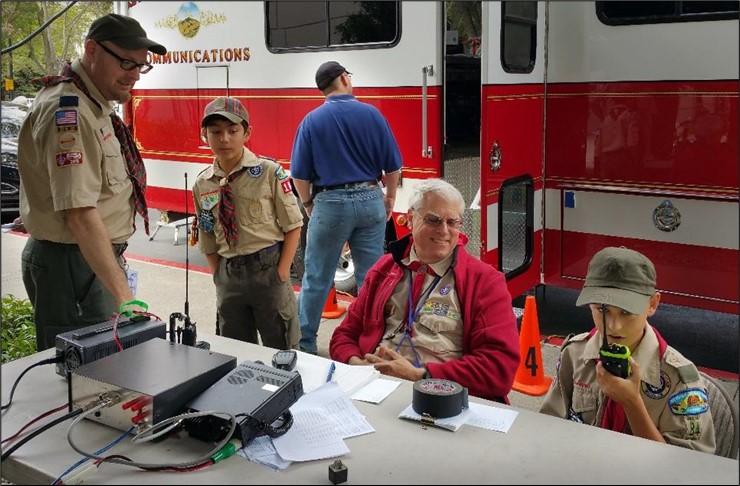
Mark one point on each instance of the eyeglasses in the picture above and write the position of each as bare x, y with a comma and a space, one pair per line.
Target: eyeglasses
128, 64
435, 221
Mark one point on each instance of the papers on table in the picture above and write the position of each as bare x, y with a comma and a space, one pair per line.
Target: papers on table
484, 416
492, 418
322, 420
449, 423
376, 391
261, 451
313, 370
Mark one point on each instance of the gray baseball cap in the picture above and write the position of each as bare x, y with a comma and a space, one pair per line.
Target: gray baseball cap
619, 277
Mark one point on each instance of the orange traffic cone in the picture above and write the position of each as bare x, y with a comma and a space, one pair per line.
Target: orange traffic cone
530, 377
332, 309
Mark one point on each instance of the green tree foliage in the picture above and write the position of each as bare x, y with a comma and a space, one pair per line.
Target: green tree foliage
465, 17
367, 25
49, 50
18, 331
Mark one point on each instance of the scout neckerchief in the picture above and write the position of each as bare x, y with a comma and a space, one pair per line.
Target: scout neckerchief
129, 151
418, 272
226, 211
614, 417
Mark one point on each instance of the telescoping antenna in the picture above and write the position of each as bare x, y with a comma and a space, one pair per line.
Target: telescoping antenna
188, 333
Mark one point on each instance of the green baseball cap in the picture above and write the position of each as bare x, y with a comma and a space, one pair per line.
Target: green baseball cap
124, 32
619, 277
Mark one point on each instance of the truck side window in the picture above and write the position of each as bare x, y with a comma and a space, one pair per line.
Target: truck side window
627, 13
518, 36
320, 25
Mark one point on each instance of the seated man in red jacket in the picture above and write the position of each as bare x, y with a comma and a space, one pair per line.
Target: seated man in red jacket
428, 309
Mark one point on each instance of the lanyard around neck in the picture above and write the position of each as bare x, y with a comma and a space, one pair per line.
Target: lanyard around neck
413, 313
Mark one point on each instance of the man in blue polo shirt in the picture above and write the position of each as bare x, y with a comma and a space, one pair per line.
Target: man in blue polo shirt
340, 153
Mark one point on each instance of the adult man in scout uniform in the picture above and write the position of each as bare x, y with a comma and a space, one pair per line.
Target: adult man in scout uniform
663, 398
82, 178
248, 225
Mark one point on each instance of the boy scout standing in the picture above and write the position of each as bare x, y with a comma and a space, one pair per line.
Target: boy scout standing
248, 226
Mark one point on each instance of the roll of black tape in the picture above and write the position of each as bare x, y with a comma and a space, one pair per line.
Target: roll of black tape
439, 398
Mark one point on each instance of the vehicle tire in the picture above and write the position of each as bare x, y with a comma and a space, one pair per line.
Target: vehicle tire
344, 277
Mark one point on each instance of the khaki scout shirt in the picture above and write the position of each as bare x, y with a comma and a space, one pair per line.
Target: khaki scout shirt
265, 206
69, 157
575, 392
437, 330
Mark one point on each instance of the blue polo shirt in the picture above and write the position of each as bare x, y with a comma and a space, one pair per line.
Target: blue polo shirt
343, 141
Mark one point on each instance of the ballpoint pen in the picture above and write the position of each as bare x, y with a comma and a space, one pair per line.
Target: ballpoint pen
332, 367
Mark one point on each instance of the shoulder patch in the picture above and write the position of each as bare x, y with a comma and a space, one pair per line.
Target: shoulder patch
688, 373
68, 101
280, 173
692, 401
66, 120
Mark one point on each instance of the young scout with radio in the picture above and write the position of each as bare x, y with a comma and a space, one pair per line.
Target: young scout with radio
622, 375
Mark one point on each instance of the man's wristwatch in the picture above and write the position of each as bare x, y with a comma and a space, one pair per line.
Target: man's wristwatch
426, 374
307, 204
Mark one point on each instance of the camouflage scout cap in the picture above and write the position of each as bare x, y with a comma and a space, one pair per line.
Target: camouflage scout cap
124, 32
619, 277
327, 73
230, 108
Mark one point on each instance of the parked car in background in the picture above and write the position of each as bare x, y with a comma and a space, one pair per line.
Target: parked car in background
12, 118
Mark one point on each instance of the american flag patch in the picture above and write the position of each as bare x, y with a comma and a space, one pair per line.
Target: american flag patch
66, 117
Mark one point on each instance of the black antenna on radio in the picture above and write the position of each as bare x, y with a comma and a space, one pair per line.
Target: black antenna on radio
187, 244
605, 341
186, 334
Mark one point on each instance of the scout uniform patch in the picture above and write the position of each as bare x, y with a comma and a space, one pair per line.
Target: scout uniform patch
439, 309
208, 200
574, 416
106, 133
67, 140
255, 209
658, 392
693, 401
255, 171
206, 220
445, 290
66, 120
694, 432
67, 159
281, 174
287, 188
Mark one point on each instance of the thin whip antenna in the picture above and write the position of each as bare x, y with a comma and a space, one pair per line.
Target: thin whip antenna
187, 243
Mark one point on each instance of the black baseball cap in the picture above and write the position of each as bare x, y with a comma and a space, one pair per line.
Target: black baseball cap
124, 32
327, 73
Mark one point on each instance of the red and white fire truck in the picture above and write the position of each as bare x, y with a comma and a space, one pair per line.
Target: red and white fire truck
567, 126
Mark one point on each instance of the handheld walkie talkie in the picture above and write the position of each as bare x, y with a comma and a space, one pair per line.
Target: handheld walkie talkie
614, 357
